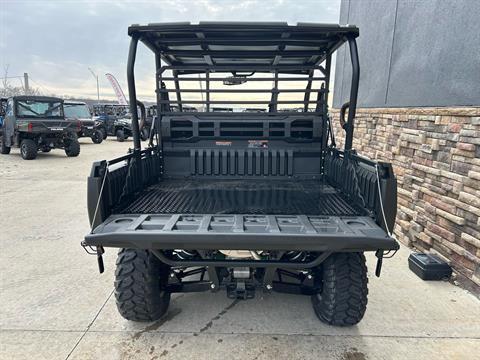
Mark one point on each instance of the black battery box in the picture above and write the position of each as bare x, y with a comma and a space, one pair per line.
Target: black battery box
429, 266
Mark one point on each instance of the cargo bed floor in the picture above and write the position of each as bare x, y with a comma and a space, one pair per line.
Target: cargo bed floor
274, 197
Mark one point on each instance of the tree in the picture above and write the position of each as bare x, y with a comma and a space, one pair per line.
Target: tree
8, 89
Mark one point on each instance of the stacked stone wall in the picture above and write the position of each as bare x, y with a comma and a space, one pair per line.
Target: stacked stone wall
435, 153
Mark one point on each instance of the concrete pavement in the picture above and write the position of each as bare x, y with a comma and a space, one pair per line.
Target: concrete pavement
55, 305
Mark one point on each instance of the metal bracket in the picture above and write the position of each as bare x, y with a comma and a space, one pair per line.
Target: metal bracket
213, 277
98, 251
381, 254
268, 278
241, 290
378, 268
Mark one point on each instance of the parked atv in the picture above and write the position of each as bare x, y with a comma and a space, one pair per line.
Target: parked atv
113, 120
80, 111
36, 123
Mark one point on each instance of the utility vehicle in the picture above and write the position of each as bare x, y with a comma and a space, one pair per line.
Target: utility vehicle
116, 120
79, 111
242, 201
113, 120
38, 123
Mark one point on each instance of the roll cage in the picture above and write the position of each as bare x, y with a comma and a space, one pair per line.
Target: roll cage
287, 53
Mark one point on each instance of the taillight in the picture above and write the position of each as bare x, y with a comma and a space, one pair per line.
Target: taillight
30, 127
79, 125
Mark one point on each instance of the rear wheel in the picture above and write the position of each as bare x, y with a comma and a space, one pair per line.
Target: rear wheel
5, 149
28, 149
97, 137
342, 280
104, 133
72, 147
140, 282
120, 135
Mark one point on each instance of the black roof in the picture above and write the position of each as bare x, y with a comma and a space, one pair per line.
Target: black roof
114, 105
242, 43
37, 97
73, 102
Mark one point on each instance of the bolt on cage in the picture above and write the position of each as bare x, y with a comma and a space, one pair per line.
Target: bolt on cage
205, 50
210, 81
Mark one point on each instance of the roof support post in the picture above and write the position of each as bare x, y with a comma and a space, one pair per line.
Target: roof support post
353, 92
272, 107
132, 94
306, 97
328, 67
207, 89
177, 88
158, 86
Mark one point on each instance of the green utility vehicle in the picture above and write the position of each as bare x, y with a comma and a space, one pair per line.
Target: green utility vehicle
36, 123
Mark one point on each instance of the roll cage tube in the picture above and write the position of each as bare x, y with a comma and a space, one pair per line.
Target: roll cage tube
349, 126
132, 94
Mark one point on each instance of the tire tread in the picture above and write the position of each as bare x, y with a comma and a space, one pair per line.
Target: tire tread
31, 149
72, 148
343, 299
139, 279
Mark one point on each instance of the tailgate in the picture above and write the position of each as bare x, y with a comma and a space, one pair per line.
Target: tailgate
241, 232
40, 125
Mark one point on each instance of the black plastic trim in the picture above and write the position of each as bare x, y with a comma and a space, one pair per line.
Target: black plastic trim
241, 232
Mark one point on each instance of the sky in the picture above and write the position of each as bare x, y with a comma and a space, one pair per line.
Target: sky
56, 42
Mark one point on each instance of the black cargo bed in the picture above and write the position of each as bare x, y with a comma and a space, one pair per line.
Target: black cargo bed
259, 197
249, 214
